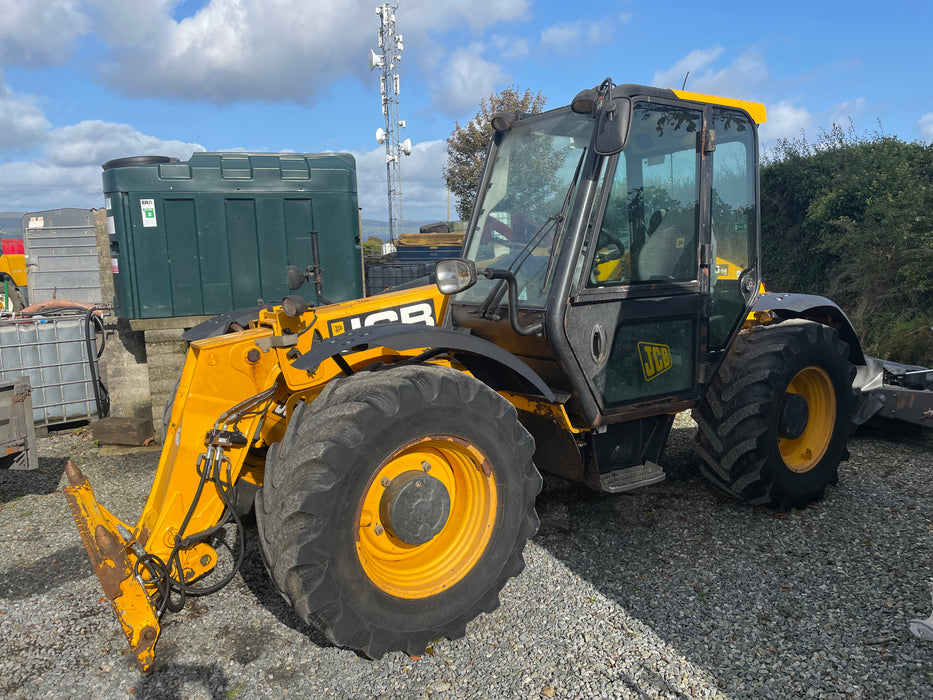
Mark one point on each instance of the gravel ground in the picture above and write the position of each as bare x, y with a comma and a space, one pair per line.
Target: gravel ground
669, 591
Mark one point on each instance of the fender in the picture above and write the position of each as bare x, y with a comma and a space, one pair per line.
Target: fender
220, 325
472, 352
813, 308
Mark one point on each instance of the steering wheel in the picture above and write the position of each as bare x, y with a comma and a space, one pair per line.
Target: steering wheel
614, 239
610, 248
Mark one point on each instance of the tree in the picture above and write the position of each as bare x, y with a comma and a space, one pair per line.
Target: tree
466, 146
372, 247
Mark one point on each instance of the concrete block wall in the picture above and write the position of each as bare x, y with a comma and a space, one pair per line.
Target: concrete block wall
124, 371
165, 352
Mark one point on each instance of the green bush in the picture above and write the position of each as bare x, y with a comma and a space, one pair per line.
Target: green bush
851, 218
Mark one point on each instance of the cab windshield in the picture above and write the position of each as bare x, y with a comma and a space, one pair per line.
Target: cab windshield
527, 196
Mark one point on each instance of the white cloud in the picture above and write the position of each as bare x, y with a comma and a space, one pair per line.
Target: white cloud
441, 15
467, 79
695, 61
571, 36
227, 51
268, 50
845, 112
40, 33
96, 141
748, 78
67, 167
925, 126
424, 194
37, 185
122, 23
22, 123
741, 79
785, 121
509, 48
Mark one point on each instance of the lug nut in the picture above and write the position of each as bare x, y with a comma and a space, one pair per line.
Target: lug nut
378, 529
426, 466
385, 481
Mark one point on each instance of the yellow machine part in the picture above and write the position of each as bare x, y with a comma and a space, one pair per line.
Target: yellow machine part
14, 265
755, 110
234, 398
406, 571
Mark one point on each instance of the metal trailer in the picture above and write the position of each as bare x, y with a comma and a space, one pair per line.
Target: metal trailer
17, 430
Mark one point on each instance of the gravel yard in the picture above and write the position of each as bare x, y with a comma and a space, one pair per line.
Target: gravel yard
669, 591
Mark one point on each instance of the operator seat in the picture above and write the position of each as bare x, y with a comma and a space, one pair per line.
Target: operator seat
668, 252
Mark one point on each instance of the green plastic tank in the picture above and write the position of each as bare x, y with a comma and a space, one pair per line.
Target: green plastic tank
216, 232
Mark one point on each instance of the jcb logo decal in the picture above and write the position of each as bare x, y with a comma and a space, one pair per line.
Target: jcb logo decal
422, 312
655, 359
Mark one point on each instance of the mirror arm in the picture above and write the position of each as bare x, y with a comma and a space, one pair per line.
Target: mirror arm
494, 273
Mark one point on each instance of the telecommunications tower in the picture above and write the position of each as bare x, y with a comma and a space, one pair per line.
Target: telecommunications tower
390, 46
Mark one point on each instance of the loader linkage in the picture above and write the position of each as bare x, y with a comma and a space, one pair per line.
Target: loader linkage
111, 553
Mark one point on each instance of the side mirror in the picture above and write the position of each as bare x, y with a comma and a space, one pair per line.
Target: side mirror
612, 126
295, 275
454, 275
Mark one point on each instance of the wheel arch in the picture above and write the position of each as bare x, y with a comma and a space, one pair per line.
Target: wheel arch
223, 323
812, 307
491, 364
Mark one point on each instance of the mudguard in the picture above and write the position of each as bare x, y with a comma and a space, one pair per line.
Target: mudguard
814, 308
474, 353
219, 325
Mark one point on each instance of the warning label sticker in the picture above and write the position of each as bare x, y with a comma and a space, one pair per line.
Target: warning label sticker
147, 206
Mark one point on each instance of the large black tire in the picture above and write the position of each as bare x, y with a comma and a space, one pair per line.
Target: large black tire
774, 423
340, 559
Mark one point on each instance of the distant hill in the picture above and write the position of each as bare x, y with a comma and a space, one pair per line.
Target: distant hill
11, 224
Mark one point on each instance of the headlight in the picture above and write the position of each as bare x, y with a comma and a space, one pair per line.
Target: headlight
454, 275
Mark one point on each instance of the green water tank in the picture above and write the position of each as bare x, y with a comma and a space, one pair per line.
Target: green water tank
215, 233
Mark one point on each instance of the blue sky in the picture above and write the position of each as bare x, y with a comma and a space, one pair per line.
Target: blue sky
84, 81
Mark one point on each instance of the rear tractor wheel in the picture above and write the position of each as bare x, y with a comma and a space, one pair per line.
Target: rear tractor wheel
397, 506
774, 423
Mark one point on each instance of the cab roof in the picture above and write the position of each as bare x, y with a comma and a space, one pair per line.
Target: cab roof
755, 110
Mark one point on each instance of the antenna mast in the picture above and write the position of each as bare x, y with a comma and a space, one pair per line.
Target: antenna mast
390, 46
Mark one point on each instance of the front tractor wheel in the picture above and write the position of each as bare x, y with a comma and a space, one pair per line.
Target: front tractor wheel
774, 423
397, 506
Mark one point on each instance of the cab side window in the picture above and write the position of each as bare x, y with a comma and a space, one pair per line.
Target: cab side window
734, 220
649, 229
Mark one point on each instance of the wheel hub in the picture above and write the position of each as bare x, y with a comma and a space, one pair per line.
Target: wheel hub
414, 507
795, 413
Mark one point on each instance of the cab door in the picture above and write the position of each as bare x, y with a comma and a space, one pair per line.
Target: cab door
638, 320
670, 267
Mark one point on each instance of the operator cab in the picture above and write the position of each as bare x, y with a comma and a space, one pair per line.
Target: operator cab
617, 246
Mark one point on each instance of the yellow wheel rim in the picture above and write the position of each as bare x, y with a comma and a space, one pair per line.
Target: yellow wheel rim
418, 571
803, 453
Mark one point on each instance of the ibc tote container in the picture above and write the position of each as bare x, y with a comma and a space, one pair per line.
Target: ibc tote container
53, 352
215, 233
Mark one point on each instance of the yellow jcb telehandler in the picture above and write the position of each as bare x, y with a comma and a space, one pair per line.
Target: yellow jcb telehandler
610, 278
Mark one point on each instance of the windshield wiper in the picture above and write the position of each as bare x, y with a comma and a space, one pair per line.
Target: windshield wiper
494, 298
